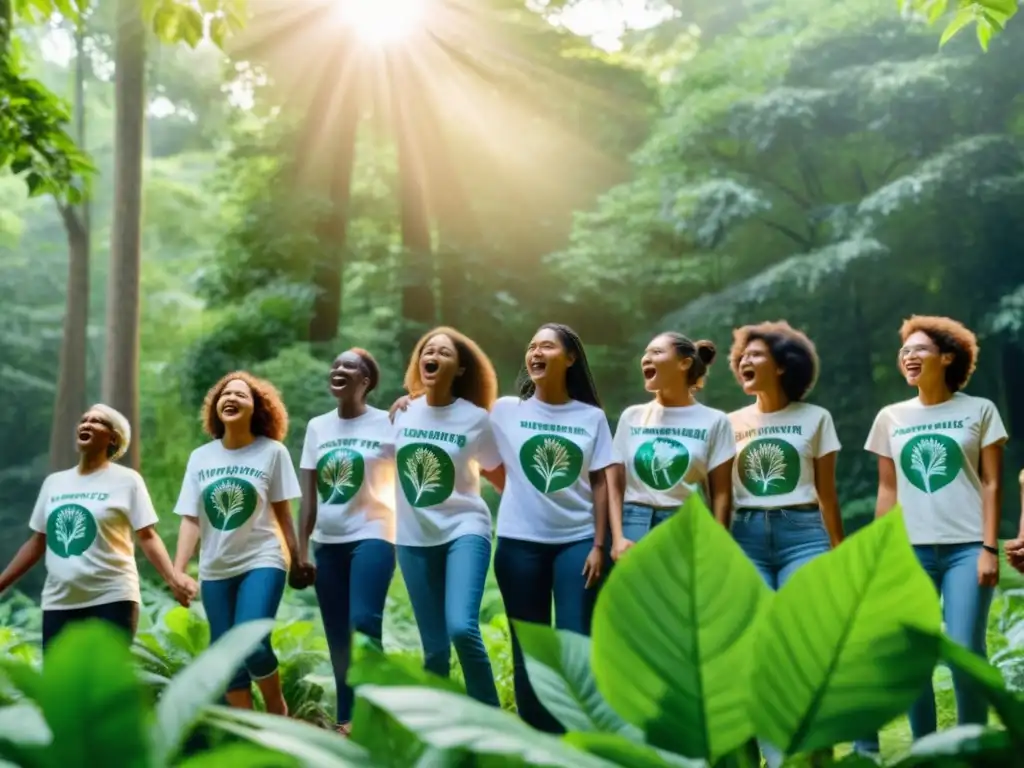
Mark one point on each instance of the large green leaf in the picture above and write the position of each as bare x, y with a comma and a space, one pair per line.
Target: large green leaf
834, 659
310, 746
558, 664
965, 745
92, 700
248, 755
451, 723
202, 682
370, 665
622, 751
673, 635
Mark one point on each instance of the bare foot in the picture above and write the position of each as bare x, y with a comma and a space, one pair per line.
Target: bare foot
345, 729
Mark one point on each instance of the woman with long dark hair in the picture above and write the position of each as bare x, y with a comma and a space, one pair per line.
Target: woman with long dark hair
444, 443
348, 511
236, 499
671, 446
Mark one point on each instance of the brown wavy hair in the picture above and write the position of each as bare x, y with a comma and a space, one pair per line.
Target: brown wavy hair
269, 416
478, 383
791, 350
951, 337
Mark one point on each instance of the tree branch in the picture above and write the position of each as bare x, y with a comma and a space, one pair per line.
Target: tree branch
806, 242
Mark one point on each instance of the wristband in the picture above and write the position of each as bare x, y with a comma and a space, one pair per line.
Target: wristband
993, 550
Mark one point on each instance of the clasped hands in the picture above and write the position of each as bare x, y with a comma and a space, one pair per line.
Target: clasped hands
184, 588
302, 575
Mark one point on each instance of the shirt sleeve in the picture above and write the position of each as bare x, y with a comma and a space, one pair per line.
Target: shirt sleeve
487, 447
37, 522
722, 444
141, 514
190, 497
620, 443
308, 458
826, 440
878, 437
604, 455
992, 429
284, 483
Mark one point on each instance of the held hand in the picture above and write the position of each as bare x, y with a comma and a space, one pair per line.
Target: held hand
302, 575
619, 548
988, 569
400, 404
592, 568
1015, 553
184, 588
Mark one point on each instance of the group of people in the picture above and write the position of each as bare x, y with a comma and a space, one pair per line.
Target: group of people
402, 487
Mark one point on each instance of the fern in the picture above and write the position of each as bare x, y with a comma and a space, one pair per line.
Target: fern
928, 459
661, 458
423, 471
337, 474
228, 499
551, 460
70, 527
765, 464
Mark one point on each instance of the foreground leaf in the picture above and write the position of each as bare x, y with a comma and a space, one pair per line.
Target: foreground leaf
621, 751
833, 658
248, 755
370, 665
973, 745
202, 682
558, 665
673, 636
448, 722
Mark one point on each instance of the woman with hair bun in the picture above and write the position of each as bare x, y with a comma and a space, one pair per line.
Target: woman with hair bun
670, 446
83, 523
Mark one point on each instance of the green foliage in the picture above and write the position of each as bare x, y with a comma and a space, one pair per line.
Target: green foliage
988, 16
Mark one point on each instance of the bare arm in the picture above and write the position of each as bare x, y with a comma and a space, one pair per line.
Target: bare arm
599, 486
188, 537
1020, 531
30, 553
495, 477
828, 497
283, 514
886, 486
616, 474
307, 513
720, 492
153, 547
991, 492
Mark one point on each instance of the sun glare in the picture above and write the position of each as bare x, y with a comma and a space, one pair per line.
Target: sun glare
383, 21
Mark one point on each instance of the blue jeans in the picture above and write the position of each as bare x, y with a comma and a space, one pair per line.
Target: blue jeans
123, 614
250, 596
529, 573
639, 520
953, 569
446, 587
778, 542
352, 581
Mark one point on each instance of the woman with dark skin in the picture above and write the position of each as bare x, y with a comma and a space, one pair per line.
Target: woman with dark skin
83, 523
784, 478
940, 456
348, 511
236, 499
444, 443
670, 446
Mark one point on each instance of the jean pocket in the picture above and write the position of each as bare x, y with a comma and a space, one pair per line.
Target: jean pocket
803, 518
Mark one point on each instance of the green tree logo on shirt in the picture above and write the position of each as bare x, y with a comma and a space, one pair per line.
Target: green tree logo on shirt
70, 530
769, 467
427, 474
661, 463
229, 502
931, 462
339, 475
550, 462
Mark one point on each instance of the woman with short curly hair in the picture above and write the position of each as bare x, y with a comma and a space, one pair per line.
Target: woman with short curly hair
444, 443
940, 456
236, 499
784, 477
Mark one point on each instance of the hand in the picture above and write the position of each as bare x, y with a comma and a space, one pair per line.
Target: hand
1015, 553
592, 568
619, 547
302, 575
184, 588
400, 404
988, 569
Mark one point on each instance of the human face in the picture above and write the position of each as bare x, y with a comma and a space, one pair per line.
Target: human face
546, 358
347, 378
758, 370
95, 434
439, 363
235, 405
662, 367
921, 362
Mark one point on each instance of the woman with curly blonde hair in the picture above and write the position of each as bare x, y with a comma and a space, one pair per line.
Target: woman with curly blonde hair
443, 443
83, 523
940, 456
236, 499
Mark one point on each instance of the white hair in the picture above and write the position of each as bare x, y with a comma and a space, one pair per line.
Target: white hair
121, 428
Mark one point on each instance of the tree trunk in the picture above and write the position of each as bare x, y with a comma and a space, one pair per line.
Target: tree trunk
121, 368
71, 381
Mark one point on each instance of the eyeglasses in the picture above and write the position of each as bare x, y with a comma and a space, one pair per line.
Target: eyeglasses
915, 349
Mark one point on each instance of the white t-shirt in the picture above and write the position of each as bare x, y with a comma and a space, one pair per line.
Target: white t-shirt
231, 492
89, 521
440, 452
668, 452
548, 452
937, 453
355, 476
775, 454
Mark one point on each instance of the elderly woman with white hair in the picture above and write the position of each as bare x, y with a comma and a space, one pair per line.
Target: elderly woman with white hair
83, 522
